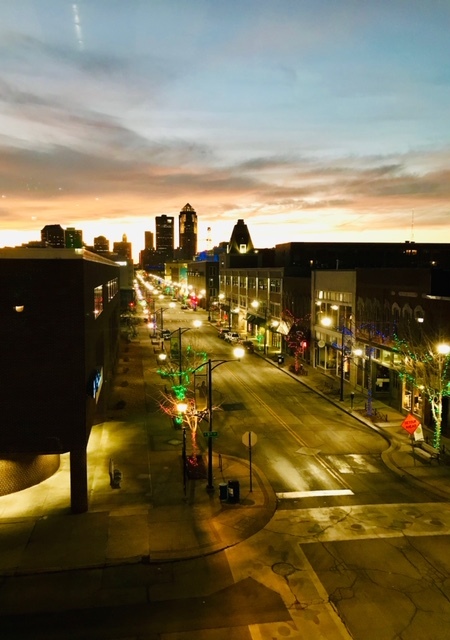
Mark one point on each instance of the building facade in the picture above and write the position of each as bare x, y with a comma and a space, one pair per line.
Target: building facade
187, 226
60, 327
165, 241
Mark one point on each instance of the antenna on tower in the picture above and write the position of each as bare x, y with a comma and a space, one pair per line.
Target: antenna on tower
208, 239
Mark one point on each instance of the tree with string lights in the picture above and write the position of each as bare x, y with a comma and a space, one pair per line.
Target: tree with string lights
425, 365
297, 337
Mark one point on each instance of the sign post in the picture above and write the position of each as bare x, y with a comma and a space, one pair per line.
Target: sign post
249, 439
411, 425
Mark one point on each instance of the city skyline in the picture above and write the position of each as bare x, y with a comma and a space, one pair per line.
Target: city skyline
311, 121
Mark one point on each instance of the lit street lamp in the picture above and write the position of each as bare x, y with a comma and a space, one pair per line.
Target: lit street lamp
255, 304
180, 331
161, 310
211, 365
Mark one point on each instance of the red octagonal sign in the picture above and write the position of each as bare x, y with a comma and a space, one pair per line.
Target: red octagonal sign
410, 423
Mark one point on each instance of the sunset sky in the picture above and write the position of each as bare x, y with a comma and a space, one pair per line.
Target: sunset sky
309, 119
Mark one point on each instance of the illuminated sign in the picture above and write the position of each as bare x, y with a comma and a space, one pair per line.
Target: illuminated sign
95, 383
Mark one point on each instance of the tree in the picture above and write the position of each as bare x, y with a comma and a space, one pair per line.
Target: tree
177, 369
298, 337
425, 365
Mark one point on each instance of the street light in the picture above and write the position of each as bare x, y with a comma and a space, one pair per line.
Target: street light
161, 310
327, 322
180, 331
211, 365
255, 304
182, 408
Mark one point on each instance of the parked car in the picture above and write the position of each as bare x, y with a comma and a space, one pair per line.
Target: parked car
165, 334
248, 346
221, 334
232, 336
184, 306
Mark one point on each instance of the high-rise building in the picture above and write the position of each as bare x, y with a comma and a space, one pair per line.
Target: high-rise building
101, 244
123, 249
52, 235
187, 232
149, 241
165, 237
73, 238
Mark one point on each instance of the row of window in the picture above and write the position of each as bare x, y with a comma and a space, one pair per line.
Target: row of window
243, 282
112, 289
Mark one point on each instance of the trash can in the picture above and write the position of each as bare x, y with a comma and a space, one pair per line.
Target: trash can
233, 491
223, 491
280, 359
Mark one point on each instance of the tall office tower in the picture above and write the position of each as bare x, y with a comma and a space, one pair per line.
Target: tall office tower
123, 249
52, 235
101, 244
165, 236
149, 241
73, 238
188, 232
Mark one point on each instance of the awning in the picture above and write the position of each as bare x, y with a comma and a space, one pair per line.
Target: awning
252, 319
282, 328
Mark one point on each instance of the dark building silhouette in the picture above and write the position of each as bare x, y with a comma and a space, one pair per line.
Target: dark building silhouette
73, 238
149, 242
187, 222
164, 237
123, 249
101, 244
60, 329
52, 235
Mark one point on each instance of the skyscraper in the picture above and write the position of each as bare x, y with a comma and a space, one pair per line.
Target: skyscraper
73, 238
149, 240
123, 249
52, 235
165, 236
101, 244
188, 232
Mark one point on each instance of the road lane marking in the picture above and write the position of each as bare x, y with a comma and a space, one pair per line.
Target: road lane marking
291, 495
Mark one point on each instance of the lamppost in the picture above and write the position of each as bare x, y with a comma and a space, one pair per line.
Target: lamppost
161, 310
255, 304
327, 322
182, 408
180, 331
211, 365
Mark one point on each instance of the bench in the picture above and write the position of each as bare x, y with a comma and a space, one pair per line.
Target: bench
426, 451
300, 372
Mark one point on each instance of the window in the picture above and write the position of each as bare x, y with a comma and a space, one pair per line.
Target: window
98, 300
275, 285
113, 288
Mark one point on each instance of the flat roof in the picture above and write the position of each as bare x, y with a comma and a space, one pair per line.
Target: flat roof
31, 253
